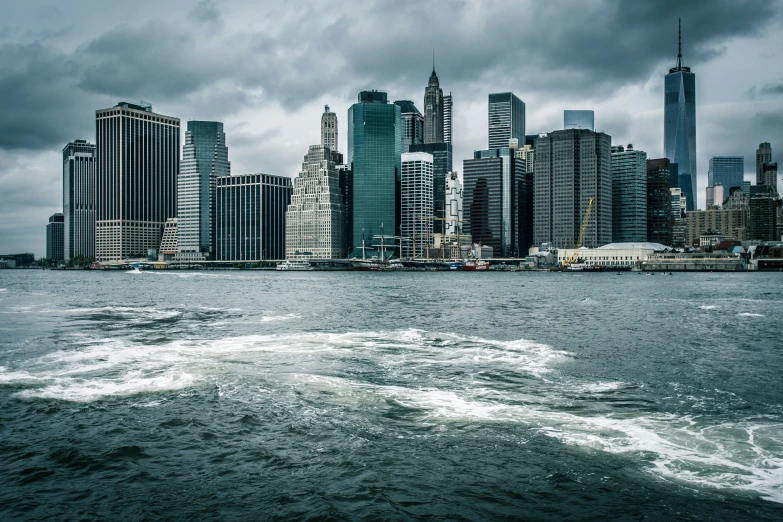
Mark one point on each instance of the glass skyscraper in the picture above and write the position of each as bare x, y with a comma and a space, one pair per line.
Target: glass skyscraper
728, 171
374, 152
629, 195
679, 128
579, 120
204, 159
506, 119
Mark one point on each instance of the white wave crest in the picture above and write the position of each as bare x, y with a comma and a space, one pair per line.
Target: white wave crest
748, 314
709, 307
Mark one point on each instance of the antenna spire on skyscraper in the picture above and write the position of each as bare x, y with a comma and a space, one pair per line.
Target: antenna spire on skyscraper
679, 42
433, 59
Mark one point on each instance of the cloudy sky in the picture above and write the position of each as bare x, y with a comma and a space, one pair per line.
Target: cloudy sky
266, 69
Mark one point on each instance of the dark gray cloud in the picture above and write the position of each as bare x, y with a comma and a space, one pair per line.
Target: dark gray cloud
206, 12
772, 88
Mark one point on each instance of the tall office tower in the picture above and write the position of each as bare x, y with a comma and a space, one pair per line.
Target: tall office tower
442, 161
374, 151
137, 168
573, 166
315, 217
679, 125
629, 195
769, 175
448, 108
579, 120
763, 210
416, 213
763, 155
204, 159
728, 171
659, 202
525, 204
489, 196
329, 130
345, 177
412, 124
54, 237
433, 110
454, 221
678, 203
79, 200
715, 196
250, 217
506, 119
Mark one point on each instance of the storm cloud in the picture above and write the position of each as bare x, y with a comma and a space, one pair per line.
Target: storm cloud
265, 69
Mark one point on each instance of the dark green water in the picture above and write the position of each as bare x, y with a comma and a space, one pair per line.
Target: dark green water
475, 396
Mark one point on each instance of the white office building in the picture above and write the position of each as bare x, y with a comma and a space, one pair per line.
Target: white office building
416, 219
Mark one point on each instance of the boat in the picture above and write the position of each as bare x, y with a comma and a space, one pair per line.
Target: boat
294, 264
475, 265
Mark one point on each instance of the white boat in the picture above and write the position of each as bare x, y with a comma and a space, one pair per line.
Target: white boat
294, 264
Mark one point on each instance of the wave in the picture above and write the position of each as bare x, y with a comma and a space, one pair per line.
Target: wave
709, 307
748, 314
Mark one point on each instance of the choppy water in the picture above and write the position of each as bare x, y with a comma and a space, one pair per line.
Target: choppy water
248, 395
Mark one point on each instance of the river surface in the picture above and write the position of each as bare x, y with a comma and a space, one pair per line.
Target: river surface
239, 395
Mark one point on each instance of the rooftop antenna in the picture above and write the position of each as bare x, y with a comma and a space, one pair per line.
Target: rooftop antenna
433, 59
679, 42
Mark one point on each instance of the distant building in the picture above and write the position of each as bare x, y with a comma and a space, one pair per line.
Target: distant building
573, 166
525, 200
659, 202
442, 165
730, 223
137, 167
448, 107
579, 120
329, 136
434, 110
315, 216
629, 194
79, 200
204, 159
715, 196
679, 128
769, 175
678, 203
250, 217
728, 171
454, 219
489, 196
763, 155
412, 124
506, 120
374, 151
737, 199
55, 238
169, 242
527, 154
416, 227
613, 255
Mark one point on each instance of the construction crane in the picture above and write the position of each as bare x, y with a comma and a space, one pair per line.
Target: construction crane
575, 256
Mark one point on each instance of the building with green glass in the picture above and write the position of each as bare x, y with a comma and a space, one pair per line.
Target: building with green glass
374, 152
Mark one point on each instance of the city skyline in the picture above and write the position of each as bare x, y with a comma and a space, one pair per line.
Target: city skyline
269, 122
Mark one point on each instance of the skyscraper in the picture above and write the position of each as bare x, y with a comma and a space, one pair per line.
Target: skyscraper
204, 159
573, 166
728, 171
448, 107
769, 175
506, 119
329, 135
489, 198
416, 212
137, 167
442, 161
679, 126
629, 195
763, 155
715, 196
763, 211
659, 202
250, 217
433, 110
54, 237
374, 151
453, 223
578, 120
412, 124
314, 220
79, 200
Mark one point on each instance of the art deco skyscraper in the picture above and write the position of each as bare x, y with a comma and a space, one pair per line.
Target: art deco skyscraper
763, 155
79, 199
204, 159
506, 119
137, 169
314, 219
374, 152
679, 127
329, 130
433, 110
